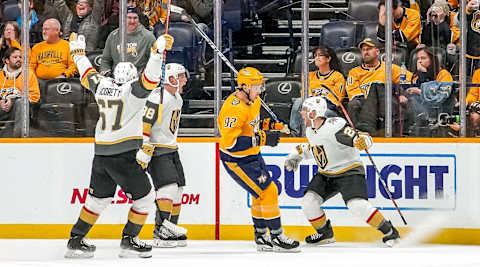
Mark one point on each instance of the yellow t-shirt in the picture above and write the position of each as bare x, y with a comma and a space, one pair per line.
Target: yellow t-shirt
333, 80
49, 61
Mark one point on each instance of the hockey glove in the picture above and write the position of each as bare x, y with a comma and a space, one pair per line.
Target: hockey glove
77, 45
269, 124
267, 138
362, 141
164, 42
292, 161
144, 155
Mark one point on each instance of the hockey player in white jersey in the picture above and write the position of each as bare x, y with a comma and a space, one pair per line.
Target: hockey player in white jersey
335, 147
118, 136
160, 153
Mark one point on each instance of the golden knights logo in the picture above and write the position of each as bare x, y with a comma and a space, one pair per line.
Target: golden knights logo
475, 25
320, 156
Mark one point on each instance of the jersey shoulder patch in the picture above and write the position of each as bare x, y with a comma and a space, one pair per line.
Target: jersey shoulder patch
235, 101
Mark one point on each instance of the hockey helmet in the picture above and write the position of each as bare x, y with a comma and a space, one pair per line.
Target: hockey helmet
125, 72
173, 70
317, 104
252, 78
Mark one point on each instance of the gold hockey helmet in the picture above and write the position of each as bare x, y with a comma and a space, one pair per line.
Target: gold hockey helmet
252, 78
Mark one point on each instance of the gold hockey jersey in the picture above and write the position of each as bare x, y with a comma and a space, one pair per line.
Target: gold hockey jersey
333, 80
362, 77
238, 122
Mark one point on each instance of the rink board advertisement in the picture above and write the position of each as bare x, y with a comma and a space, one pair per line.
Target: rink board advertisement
48, 183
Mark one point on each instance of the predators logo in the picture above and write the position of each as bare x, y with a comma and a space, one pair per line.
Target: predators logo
9, 93
476, 22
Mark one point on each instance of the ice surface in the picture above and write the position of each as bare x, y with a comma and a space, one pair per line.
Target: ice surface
42, 252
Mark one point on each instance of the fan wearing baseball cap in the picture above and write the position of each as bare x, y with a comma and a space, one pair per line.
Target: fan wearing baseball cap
371, 71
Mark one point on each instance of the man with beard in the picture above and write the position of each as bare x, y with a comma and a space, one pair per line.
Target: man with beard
11, 92
360, 78
139, 41
85, 22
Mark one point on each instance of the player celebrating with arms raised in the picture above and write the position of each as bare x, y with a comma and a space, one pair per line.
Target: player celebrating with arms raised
118, 136
334, 145
241, 139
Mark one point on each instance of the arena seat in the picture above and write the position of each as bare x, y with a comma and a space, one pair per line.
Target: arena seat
349, 58
399, 55
339, 34
297, 65
95, 58
188, 48
363, 10
278, 96
10, 11
61, 109
369, 30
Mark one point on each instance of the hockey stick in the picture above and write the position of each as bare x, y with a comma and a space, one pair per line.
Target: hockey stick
164, 62
368, 154
221, 55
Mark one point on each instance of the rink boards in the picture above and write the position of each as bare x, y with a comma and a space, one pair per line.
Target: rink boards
435, 181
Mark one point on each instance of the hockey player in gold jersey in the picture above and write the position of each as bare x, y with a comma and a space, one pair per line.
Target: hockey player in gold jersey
335, 147
240, 142
118, 136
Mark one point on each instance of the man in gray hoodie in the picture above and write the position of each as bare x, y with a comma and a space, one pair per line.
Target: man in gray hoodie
139, 41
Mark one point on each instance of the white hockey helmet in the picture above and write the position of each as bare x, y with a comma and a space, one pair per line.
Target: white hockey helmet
317, 104
125, 72
173, 70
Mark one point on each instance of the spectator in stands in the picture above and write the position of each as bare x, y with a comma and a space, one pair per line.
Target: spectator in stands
142, 17
85, 22
32, 18
362, 77
453, 4
473, 36
439, 32
406, 25
10, 37
200, 10
11, 92
51, 58
473, 103
426, 69
327, 75
139, 41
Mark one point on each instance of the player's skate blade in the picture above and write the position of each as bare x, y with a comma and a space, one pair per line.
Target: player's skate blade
182, 241
163, 238
282, 243
263, 241
132, 247
79, 248
392, 238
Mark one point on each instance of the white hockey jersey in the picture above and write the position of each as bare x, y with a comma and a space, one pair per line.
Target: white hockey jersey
160, 122
332, 148
119, 128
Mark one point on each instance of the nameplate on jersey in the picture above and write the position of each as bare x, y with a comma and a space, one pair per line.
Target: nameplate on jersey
114, 92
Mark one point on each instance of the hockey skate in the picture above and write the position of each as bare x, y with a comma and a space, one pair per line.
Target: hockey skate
78, 247
323, 236
182, 241
392, 237
132, 247
283, 243
163, 238
263, 242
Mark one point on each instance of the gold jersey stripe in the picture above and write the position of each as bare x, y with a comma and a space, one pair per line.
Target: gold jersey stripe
375, 219
244, 177
165, 204
342, 170
137, 217
88, 216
